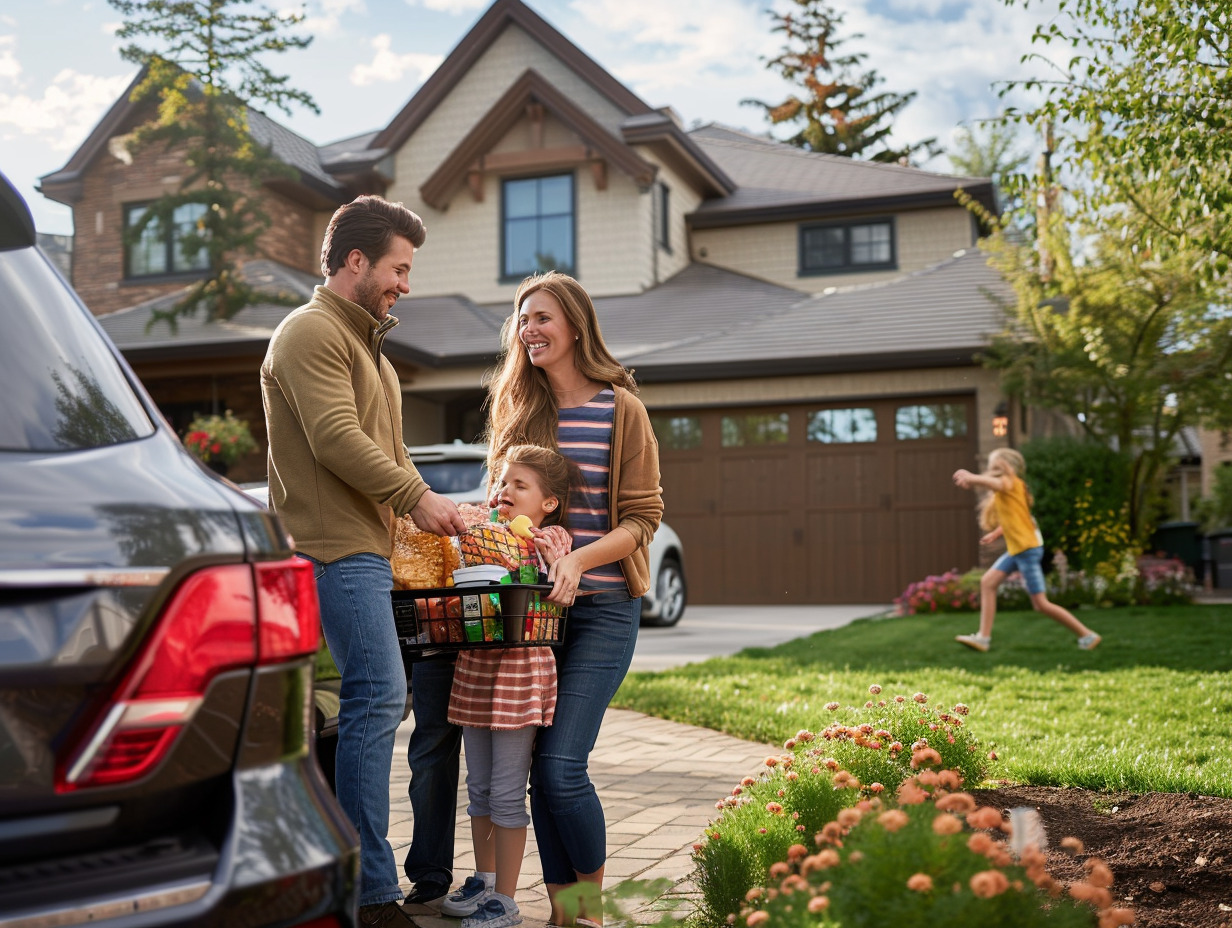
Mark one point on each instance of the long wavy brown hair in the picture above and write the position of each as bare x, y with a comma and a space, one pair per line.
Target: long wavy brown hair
521, 406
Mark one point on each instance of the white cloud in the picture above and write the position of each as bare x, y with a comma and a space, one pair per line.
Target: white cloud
65, 112
10, 67
328, 20
388, 67
453, 7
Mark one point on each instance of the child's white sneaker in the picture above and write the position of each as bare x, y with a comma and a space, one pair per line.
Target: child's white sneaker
468, 897
1088, 642
497, 911
978, 642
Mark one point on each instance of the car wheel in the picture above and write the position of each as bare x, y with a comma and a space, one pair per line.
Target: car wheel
670, 593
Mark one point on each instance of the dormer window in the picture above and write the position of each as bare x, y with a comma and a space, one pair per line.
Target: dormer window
159, 251
537, 221
836, 248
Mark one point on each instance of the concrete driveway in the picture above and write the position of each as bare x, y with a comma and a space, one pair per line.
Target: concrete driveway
715, 631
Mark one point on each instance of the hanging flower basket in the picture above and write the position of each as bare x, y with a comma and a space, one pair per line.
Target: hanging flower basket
219, 441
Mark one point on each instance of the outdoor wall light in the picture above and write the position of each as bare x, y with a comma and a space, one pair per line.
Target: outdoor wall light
1001, 420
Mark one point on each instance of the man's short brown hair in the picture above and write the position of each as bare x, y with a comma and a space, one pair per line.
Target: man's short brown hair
368, 223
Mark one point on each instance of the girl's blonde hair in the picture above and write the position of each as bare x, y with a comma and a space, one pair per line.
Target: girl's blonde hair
1013, 461
521, 406
557, 476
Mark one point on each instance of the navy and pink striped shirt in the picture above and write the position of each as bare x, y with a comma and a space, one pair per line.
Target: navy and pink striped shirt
584, 434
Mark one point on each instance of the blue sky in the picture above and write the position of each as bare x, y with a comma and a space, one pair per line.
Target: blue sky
60, 68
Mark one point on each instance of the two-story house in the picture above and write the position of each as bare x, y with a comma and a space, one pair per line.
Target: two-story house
804, 327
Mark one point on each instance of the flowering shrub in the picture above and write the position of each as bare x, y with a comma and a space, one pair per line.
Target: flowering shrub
864, 753
927, 857
947, 592
214, 439
1127, 580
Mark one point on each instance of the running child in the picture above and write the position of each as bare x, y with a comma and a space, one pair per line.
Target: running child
1006, 511
501, 697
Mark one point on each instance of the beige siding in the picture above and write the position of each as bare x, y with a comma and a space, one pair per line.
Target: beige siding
1216, 452
681, 201
462, 254
769, 250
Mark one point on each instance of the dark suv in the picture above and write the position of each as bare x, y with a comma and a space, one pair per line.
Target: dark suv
156, 647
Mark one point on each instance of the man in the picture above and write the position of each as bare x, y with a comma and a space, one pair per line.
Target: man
338, 478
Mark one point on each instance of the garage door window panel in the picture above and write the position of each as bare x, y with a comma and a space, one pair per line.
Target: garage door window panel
677, 433
752, 429
842, 426
930, 421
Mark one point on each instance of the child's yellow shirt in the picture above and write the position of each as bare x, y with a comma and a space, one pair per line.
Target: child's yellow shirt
1014, 517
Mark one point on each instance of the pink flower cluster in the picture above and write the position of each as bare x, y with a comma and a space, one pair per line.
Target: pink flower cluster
938, 593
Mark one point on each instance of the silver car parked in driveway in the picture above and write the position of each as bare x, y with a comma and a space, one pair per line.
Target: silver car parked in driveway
459, 471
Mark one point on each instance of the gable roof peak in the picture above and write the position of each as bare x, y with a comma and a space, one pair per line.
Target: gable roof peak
498, 17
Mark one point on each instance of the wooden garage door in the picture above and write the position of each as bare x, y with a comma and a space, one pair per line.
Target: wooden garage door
822, 503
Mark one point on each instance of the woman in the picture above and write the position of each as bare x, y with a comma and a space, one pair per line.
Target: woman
556, 384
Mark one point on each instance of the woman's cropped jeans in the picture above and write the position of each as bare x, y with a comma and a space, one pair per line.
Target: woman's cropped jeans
600, 634
358, 623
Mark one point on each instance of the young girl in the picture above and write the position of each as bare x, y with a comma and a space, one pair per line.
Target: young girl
501, 697
1007, 512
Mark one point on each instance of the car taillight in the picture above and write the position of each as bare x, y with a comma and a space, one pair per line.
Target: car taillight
218, 619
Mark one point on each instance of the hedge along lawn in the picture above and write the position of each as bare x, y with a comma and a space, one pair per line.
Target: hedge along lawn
1149, 710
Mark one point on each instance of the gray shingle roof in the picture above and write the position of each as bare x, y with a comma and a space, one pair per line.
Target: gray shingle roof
942, 314
430, 330
705, 321
290, 148
770, 175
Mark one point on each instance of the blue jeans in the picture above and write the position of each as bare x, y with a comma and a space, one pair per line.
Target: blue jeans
1029, 563
432, 756
358, 622
600, 634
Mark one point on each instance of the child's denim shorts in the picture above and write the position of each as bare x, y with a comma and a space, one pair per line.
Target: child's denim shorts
1029, 563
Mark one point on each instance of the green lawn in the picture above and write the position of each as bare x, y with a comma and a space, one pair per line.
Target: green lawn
1149, 710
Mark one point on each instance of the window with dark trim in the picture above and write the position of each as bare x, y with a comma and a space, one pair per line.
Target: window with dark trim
853, 246
537, 218
159, 252
663, 206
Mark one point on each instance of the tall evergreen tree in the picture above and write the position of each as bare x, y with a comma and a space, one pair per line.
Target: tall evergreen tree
201, 72
840, 111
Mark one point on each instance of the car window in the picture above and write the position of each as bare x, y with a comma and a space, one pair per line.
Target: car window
63, 388
451, 476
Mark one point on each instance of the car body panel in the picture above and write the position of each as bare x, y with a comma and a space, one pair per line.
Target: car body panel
103, 514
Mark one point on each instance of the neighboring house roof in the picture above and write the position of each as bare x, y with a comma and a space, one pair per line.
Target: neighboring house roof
777, 182
703, 322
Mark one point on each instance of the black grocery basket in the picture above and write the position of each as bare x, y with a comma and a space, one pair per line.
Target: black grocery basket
446, 620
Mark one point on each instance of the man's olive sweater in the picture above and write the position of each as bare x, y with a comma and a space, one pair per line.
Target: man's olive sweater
338, 471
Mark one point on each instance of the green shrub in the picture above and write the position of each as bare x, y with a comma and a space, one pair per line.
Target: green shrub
1081, 492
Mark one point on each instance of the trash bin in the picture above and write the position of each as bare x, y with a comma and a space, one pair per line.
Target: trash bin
1221, 558
1183, 541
